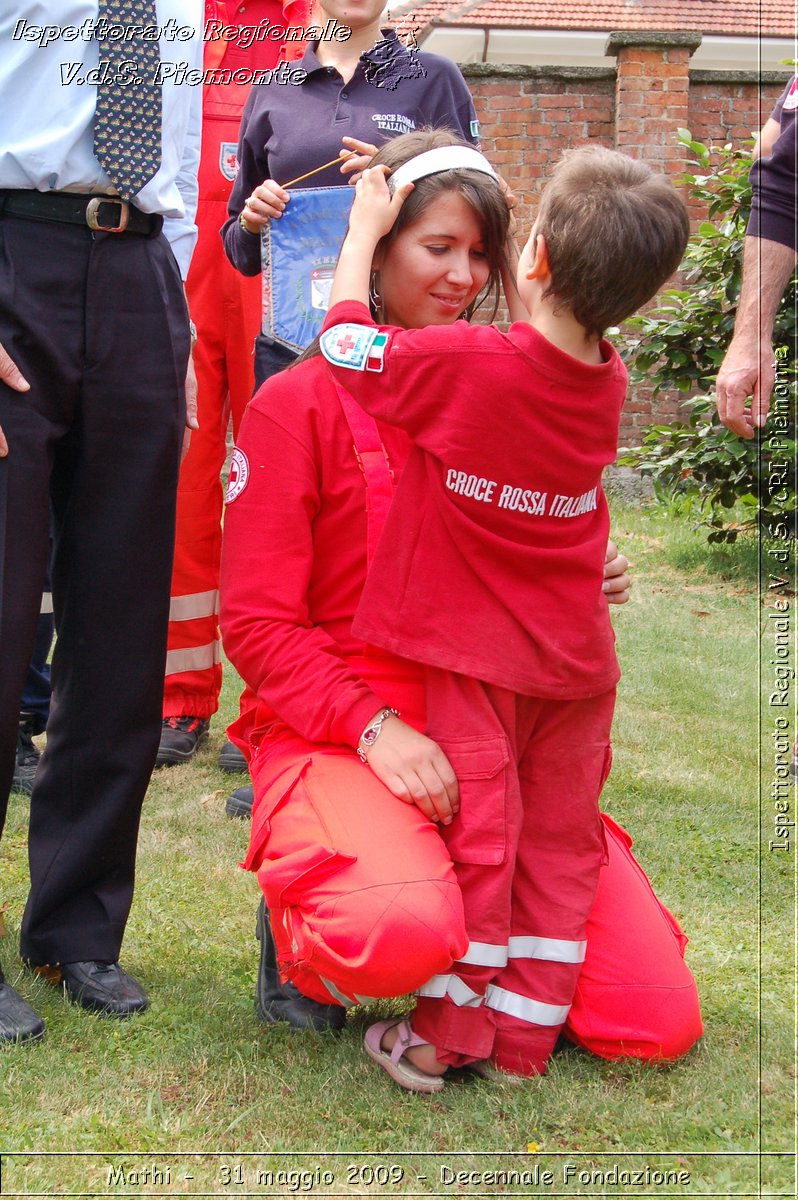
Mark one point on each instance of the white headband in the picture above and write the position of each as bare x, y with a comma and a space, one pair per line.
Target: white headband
445, 158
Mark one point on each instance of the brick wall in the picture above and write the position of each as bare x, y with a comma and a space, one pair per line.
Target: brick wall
529, 114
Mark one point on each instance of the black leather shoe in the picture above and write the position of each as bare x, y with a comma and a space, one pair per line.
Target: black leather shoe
239, 803
231, 759
103, 987
181, 738
18, 1021
277, 1001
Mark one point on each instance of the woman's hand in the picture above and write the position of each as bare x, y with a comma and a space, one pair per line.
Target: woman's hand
268, 200
357, 156
416, 770
616, 579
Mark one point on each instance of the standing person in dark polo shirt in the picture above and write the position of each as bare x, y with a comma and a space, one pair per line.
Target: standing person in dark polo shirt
356, 94
94, 348
769, 258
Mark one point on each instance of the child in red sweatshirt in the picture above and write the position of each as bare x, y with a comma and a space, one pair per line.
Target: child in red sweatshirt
489, 569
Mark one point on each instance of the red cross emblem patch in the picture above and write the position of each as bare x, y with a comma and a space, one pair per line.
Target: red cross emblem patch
228, 162
357, 347
239, 474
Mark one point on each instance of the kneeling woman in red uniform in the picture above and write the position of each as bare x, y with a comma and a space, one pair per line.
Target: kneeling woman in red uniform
361, 891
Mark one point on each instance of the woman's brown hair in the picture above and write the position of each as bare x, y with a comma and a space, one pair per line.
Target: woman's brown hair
480, 191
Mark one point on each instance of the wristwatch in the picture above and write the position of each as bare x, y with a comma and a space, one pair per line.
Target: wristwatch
372, 731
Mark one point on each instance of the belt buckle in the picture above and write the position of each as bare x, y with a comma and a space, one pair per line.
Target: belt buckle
93, 210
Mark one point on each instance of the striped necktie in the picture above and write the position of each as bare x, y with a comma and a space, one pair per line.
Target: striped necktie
127, 122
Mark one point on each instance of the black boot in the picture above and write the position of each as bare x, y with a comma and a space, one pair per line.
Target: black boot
28, 756
239, 803
277, 1001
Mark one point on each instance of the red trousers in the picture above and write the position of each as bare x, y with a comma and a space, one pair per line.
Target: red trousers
527, 846
226, 308
366, 902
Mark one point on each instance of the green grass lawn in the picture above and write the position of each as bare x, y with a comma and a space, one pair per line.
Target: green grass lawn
197, 1075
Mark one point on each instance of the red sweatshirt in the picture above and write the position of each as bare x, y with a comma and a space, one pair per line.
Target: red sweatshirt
491, 561
294, 560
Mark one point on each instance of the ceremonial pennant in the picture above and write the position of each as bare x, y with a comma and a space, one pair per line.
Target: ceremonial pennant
298, 256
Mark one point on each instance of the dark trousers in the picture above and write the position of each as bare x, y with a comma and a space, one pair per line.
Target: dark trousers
97, 324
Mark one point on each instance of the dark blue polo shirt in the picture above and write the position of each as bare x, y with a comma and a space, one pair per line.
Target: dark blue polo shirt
288, 129
774, 178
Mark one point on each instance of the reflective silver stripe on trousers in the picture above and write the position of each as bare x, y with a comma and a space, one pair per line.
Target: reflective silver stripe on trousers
197, 604
535, 1012
488, 954
333, 990
485, 954
46, 606
195, 658
550, 949
289, 929
453, 987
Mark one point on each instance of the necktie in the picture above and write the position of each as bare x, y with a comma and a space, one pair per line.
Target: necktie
127, 121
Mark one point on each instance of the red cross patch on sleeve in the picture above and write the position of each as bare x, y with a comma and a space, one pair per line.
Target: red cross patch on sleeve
357, 347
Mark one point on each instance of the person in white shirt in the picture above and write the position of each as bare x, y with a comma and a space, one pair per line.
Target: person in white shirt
94, 393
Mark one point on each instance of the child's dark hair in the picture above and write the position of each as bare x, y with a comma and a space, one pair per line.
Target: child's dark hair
481, 192
614, 233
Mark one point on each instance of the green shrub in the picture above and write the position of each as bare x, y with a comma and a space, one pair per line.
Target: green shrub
680, 346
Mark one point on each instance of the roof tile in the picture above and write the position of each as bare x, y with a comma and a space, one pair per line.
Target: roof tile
741, 18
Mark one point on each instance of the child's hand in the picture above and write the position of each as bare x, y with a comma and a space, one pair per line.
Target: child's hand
416, 770
373, 213
375, 209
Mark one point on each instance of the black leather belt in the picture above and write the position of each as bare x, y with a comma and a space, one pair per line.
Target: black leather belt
107, 214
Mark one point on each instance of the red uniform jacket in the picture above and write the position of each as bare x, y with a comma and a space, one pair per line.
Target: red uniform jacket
294, 561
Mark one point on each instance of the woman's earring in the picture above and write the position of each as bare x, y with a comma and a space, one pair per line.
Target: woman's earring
375, 299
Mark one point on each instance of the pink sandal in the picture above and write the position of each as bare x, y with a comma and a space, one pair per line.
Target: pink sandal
400, 1069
